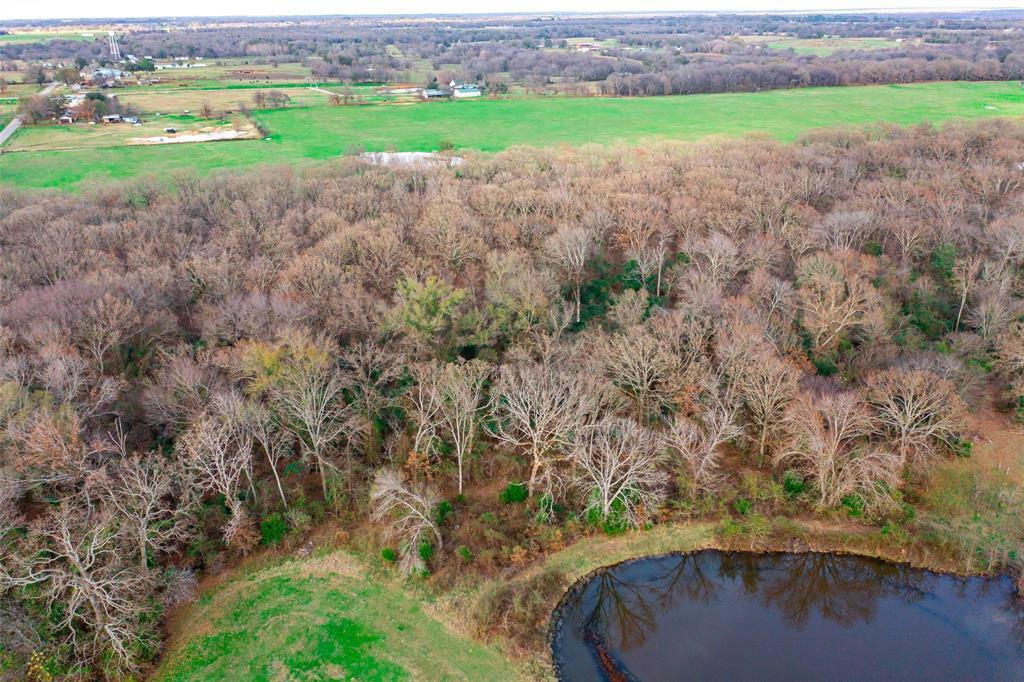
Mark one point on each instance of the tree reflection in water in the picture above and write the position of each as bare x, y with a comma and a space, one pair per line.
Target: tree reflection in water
800, 586
629, 607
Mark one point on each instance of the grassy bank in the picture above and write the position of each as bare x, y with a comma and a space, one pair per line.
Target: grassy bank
322, 618
322, 132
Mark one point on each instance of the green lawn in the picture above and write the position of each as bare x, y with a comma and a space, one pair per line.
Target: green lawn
321, 132
321, 619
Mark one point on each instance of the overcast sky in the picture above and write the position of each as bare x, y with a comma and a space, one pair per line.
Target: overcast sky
21, 9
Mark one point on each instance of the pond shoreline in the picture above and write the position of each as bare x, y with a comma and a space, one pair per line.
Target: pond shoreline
779, 548
815, 539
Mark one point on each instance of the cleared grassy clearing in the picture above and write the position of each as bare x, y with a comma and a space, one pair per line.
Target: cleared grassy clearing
81, 136
9, 38
323, 618
323, 132
176, 100
822, 46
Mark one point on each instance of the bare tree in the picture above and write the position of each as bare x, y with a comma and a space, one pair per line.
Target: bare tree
1010, 351
835, 296
541, 411
994, 310
218, 450
147, 493
698, 442
570, 248
181, 387
311, 396
920, 412
75, 564
448, 403
965, 273
718, 257
110, 322
408, 509
639, 365
275, 441
844, 230
619, 470
766, 386
830, 448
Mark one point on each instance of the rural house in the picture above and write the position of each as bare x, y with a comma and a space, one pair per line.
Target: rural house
461, 90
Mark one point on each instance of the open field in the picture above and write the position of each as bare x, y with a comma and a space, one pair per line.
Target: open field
160, 99
82, 136
323, 618
322, 132
229, 72
822, 46
43, 37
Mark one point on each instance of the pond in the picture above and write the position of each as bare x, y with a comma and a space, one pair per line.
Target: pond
742, 616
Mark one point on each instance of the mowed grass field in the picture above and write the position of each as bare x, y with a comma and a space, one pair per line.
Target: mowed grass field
823, 46
324, 131
321, 619
43, 37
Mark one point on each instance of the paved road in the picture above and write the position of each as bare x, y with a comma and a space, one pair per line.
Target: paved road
16, 121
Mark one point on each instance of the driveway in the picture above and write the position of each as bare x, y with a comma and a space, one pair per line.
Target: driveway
16, 121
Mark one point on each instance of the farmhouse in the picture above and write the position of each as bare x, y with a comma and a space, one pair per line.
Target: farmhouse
461, 90
106, 74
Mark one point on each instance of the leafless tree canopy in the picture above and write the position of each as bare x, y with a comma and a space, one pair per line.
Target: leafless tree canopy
193, 369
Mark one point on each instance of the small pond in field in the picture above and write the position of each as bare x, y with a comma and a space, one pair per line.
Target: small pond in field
740, 616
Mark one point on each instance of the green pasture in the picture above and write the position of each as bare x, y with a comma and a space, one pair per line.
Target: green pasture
323, 131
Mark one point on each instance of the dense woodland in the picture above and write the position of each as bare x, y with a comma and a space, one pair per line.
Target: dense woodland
193, 368
660, 55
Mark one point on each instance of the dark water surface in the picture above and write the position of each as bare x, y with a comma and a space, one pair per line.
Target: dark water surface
739, 616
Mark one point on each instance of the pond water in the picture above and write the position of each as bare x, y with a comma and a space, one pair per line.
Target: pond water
740, 616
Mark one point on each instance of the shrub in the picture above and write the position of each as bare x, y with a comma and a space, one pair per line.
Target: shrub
298, 520
426, 551
943, 260
793, 484
854, 505
442, 511
273, 529
825, 366
389, 555
514, 493
742, 506
617, 521
464, 552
